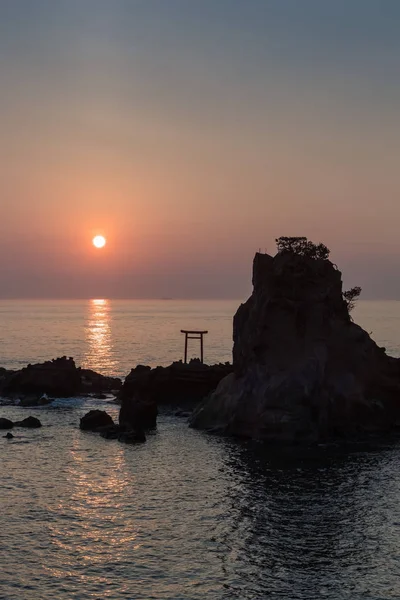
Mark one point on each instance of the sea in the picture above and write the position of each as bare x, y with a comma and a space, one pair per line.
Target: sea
187, 515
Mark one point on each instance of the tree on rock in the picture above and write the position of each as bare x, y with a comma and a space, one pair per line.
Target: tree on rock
350, 297
302, 247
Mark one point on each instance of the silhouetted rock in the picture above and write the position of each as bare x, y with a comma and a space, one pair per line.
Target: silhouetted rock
303, 371
58, 378
9, 436
29, 401
179, 384
137, 413
6, 423
97, 383
136, 436
30, 422
111, 432
94, 420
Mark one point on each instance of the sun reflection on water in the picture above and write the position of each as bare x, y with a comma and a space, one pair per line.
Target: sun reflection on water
94, 535
99, 354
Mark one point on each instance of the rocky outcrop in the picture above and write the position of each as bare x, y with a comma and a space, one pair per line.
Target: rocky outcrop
302, 370
38, 384
58, 378
96, 420
100, 422
39, 400
92, 382
138, 414
179, 384
29, 422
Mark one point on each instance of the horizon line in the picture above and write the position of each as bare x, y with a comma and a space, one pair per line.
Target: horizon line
157, 298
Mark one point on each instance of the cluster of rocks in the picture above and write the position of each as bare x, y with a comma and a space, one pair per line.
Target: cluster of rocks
180, 385
101, 422
59, 378
303, 371
28, 422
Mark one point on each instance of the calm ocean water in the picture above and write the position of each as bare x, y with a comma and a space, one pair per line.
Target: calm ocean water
112, 336
185, 516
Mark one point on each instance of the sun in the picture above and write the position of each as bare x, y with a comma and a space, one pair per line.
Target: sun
99, 241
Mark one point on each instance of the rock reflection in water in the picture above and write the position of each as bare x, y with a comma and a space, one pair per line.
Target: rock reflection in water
312, 525
99, 354
191, 516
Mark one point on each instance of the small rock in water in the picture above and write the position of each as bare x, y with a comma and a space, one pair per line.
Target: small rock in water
183, 413
100, 396
111, 432
9, 436
95, 419
6, 423
31, 422
132, 437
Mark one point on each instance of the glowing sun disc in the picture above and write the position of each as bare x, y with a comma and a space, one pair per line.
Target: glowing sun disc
99, 241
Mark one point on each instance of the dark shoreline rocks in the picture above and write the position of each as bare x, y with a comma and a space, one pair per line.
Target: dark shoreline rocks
99, 421
28, 422
179, 385
303, 371
39, 384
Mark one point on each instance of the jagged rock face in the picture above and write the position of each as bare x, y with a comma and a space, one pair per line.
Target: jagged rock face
177, 385
57, 378
97, 383
303, 371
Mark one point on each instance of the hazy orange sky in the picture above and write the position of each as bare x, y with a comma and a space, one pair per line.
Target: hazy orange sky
190, 134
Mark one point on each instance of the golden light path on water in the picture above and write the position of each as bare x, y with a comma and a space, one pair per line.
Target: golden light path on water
99, 353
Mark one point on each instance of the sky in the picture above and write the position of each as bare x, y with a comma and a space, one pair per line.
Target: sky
191, 134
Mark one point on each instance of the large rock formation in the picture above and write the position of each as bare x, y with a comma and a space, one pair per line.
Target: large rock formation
179, 384
303, 371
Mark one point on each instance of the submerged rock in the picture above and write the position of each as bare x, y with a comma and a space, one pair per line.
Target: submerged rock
110, 432
31, 422
6, 423
302, 370
95, 420
29, 401
136, 436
